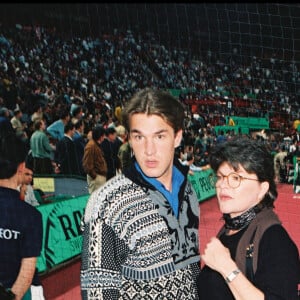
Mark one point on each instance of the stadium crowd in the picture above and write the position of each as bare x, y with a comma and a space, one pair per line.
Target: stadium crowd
59, 80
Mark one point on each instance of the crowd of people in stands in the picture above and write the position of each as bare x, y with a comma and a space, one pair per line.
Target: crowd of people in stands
55, 91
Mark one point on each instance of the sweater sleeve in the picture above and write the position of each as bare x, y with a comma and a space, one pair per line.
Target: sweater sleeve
278, 268
102, 256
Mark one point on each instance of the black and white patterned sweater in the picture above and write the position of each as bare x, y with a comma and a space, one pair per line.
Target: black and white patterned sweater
133, 245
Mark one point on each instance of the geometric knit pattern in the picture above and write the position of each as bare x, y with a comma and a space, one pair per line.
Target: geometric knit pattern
135, 248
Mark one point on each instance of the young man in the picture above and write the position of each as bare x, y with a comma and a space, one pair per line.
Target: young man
26, 188
20, 223
140, 230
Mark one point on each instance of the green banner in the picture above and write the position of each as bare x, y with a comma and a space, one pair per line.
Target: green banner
62, 238
202, 185
250, 122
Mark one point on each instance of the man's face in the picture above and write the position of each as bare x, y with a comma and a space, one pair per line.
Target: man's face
27, 176
43, 126
153, 142
72, 132
112, 137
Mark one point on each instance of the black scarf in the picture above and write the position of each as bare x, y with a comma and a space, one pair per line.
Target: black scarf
242, 221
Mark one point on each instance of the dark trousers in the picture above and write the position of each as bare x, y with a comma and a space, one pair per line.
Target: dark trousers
42, 166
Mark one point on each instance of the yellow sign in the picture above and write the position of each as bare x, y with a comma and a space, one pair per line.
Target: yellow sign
46, 184
231, 122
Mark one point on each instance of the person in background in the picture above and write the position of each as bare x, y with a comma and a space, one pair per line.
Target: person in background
190, 158
121, 136
27, 195
26, 188
221, 138
140, 229
125, 153
118, 111
77, 114
80, 143
110, 150
93, 162
20, 223
252, 257
56, 129
4, 113
37, 113
17, 123
65, 155
42, 151
5, 125
279, 164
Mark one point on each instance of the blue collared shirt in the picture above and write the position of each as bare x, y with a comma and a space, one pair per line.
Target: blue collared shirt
172, 197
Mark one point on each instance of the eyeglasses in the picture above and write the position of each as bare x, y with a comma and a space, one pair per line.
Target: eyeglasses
233, 179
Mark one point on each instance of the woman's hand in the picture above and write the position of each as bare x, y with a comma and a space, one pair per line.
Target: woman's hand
217, 257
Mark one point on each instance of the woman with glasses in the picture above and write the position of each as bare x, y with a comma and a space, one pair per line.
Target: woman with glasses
253, 256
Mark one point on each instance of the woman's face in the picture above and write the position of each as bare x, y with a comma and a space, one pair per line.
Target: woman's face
235, 201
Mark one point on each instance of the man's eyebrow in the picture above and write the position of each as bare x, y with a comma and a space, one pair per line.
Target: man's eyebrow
157, 132
134, 131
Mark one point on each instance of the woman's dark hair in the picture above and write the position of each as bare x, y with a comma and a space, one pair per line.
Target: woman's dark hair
253, 156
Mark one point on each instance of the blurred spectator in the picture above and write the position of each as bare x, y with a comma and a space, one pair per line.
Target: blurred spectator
26, 188
80, 143
94, 163
41, 150
125, 151
37, 113
77, 114
297, 136
118, 112
221, 138
189, 161
56, 129
110, 150
121, 135
5, 113
279, 164
16, 122
65, 155
76, 102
